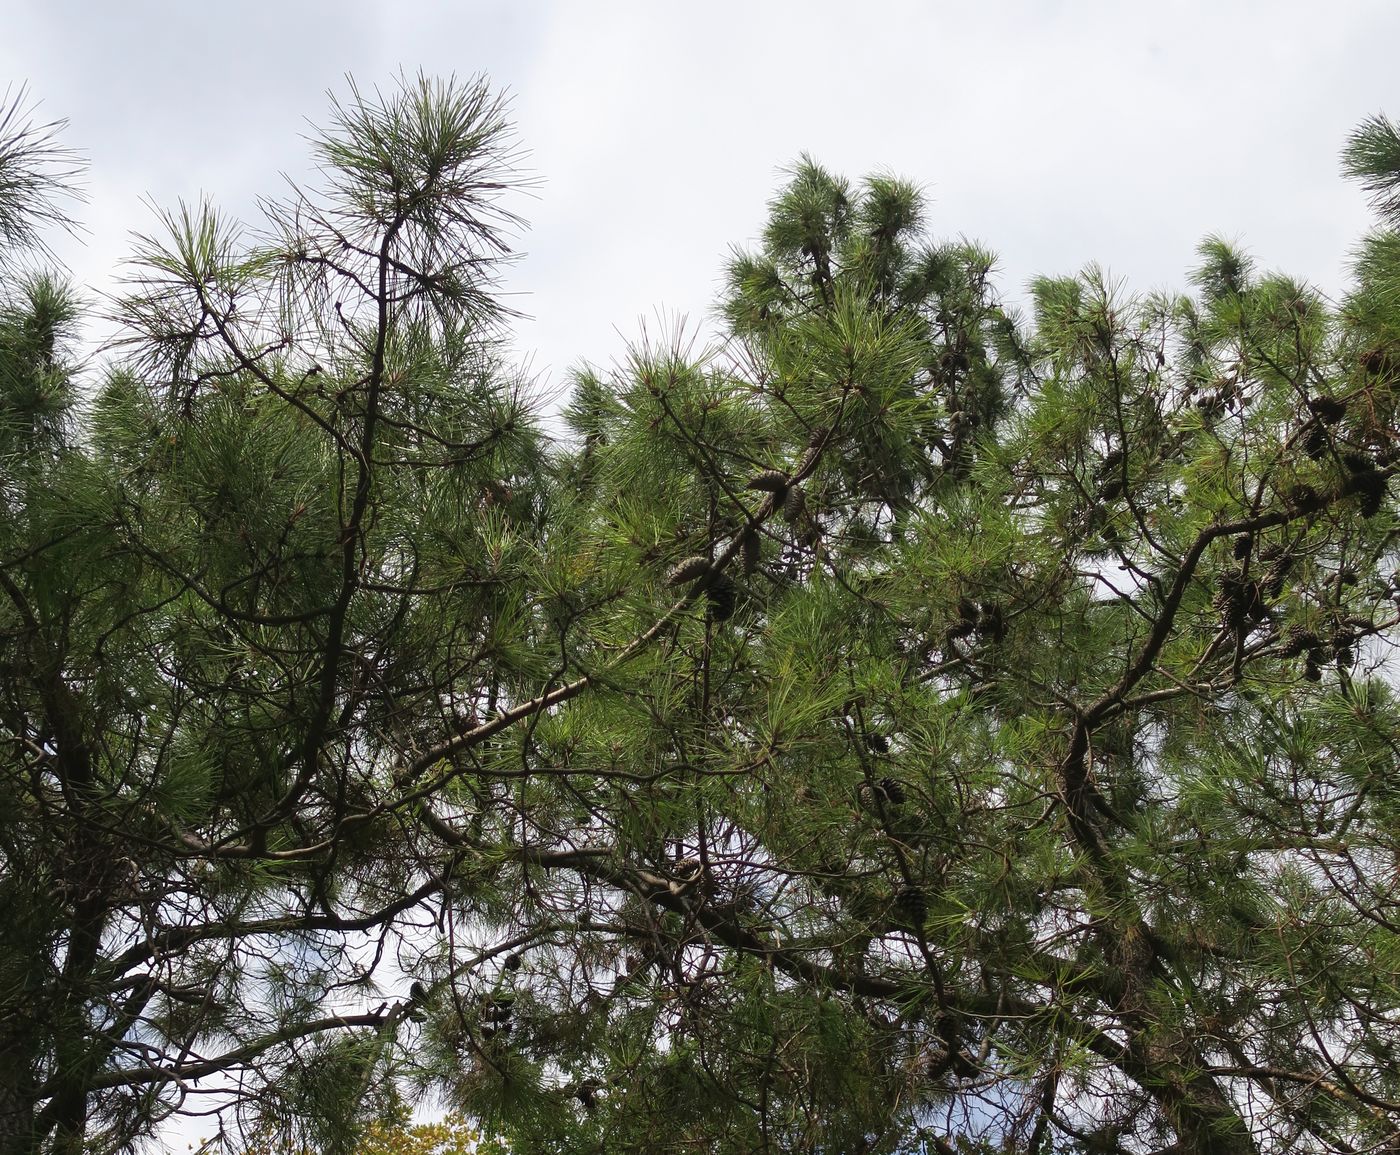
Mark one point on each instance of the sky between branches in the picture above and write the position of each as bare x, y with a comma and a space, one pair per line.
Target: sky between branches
1055, 132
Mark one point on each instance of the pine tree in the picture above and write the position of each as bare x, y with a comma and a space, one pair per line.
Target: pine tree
1023, 791
909, 726
256, 593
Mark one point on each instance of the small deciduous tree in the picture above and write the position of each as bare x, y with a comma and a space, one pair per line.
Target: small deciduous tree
449, 1136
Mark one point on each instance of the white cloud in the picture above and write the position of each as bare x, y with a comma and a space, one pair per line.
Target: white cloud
1056, 133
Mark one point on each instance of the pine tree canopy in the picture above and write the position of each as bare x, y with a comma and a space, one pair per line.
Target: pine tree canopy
905, 726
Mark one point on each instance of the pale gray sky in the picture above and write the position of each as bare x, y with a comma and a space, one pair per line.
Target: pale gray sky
1055, 132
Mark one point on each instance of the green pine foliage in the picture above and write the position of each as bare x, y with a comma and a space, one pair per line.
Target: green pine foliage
908, 726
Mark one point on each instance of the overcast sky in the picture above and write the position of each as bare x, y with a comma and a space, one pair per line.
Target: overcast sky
1056, 132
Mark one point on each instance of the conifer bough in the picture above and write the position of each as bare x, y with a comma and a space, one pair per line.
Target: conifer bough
1040, 798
